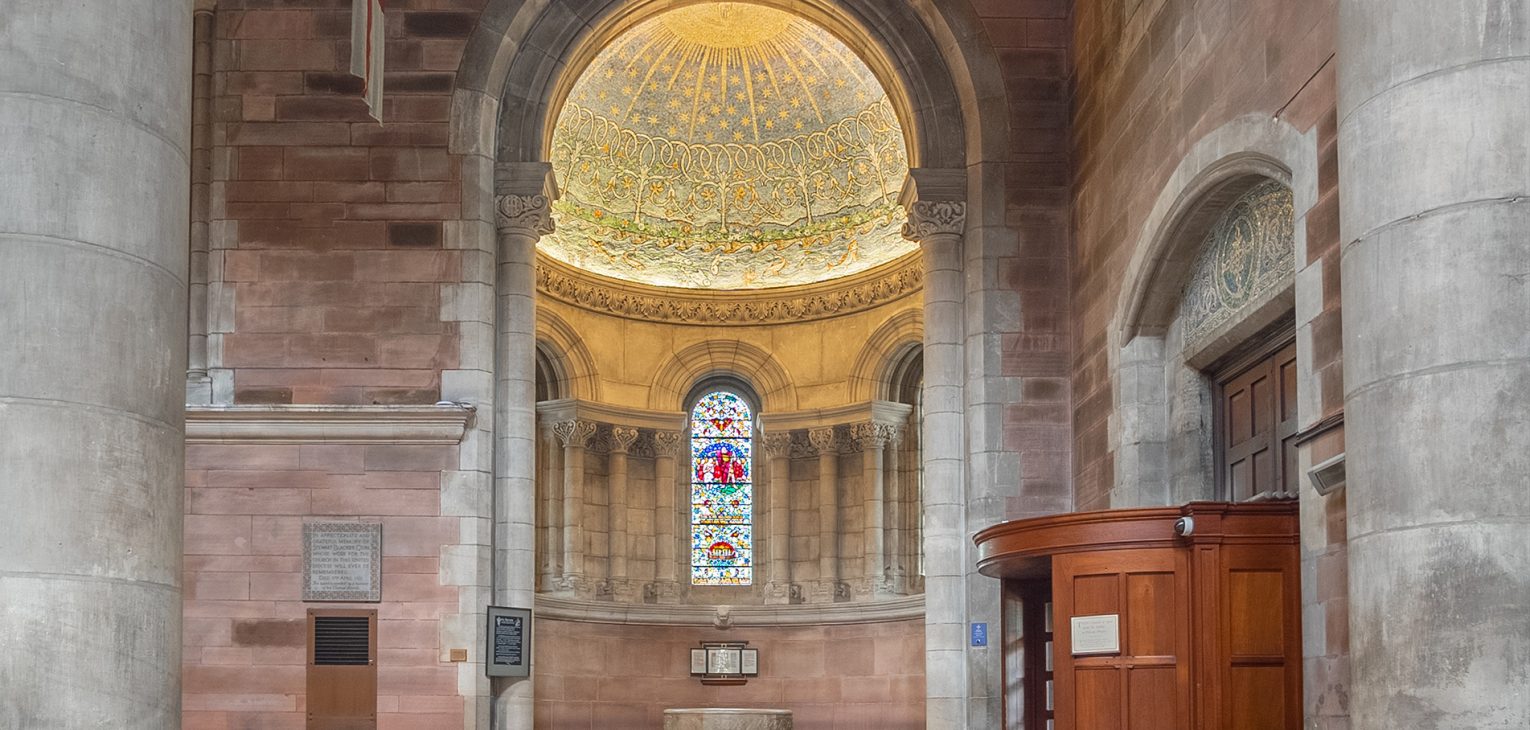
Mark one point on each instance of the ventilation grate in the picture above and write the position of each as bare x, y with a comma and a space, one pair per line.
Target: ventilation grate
341, 640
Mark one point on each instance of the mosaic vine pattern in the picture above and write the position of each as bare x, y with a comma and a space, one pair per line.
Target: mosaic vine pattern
1248, 253
722, 505
728, 146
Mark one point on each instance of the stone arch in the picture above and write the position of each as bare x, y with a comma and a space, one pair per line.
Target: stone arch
571, 359
875, 365
1220, 167
1161, 433
690, 365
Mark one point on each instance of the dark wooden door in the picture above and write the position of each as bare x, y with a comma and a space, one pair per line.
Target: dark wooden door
1258, 423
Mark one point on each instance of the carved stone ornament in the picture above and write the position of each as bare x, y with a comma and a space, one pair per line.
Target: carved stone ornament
667, 443
622, 439
824, 440
778, 445
874, 435
574, 433
928, 218
760, 307
527, 214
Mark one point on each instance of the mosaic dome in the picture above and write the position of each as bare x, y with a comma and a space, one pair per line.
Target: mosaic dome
727, 146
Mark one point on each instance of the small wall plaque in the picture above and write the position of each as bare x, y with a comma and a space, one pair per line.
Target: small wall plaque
509, 637
342, 561
1096, 634
725, 662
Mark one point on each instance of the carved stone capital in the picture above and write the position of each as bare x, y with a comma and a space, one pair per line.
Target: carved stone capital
622, 439
825, 440
778, 445
529, 215
929, 218
667, 443
574, 432
873, 435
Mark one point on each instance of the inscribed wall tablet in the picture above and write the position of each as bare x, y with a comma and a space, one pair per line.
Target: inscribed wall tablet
342, 561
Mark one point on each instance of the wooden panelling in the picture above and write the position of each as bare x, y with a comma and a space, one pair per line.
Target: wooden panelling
1258, 422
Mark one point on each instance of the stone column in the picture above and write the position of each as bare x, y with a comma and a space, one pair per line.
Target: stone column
622, 439
937, 225
874, 438
523, 209
1434, 142
778, 564
666, 585
94, 149
550, 566
826, 442
198, 383
575, 436
896, 513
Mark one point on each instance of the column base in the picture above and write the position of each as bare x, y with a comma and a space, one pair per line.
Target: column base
662, 592
829, 591
782, 594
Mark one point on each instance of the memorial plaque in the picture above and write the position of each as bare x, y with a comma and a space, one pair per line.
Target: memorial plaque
509, 637
750, 666
1096, 634
342, 561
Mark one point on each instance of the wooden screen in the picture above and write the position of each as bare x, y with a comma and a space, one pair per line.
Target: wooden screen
1251, 671
1146, 686
1257, 427
342, 669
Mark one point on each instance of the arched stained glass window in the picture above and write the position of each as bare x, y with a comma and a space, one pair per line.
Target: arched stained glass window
722, 494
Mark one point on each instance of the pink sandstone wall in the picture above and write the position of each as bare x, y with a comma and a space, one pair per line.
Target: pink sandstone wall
617, 676
245, 632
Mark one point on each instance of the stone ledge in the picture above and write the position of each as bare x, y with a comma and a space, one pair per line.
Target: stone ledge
566, 609
300, 424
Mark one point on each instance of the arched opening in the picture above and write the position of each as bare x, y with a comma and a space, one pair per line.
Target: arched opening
721, 474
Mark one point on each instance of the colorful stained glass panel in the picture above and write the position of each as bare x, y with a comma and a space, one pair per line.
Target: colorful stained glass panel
722, 495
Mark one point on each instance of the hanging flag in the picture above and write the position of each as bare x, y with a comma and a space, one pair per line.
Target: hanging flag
368, 31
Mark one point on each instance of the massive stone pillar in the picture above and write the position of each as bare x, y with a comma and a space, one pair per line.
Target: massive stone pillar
622, 439
94, 211
524, 215
1434, 142
936, 223
666, 447
778, 565
826, 442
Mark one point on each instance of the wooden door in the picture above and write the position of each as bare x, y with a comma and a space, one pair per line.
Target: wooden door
1257, 415
1146, 685
1250, 664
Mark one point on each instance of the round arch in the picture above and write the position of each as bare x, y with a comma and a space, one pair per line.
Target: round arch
876, 364
572, 361
674, 381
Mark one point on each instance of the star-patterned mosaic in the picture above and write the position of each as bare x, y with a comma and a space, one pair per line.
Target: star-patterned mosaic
728, 146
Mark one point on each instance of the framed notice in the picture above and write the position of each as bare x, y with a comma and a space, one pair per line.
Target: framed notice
698, 661
508, 653
725, 662
749, 663
1096, 634
342, 561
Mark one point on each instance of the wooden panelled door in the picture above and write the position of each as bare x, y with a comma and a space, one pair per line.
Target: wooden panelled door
342, 669
1257, 414
1146, 686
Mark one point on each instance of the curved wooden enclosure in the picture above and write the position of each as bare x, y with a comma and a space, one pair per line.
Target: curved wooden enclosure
1201, 630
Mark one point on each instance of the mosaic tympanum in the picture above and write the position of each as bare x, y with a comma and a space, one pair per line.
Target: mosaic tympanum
1247, 254
727, 146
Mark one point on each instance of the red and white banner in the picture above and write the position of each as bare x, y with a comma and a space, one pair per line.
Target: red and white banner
368, 31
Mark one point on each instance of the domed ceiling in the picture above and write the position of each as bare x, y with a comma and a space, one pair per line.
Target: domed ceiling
727, 146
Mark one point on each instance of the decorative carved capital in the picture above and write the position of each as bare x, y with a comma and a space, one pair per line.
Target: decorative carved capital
622, 439
778, 445
874, 435
928, 218
574, 433
825, 440
667, 443
529, 215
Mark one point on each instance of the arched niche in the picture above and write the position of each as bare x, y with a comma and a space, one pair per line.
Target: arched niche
872, 375
1162, 426
570, 358
680, 373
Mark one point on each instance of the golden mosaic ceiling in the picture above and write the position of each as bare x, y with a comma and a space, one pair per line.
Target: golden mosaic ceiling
727, 146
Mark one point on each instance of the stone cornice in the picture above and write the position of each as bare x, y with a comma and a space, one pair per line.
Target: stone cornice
907, 608
874, 288
329, 424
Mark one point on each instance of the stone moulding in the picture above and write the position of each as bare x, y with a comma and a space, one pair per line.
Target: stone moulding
300, 424
907, 608
875, 288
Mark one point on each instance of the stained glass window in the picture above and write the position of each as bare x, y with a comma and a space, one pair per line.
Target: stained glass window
722, 494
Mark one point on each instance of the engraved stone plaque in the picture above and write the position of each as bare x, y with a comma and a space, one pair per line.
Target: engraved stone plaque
342, 561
